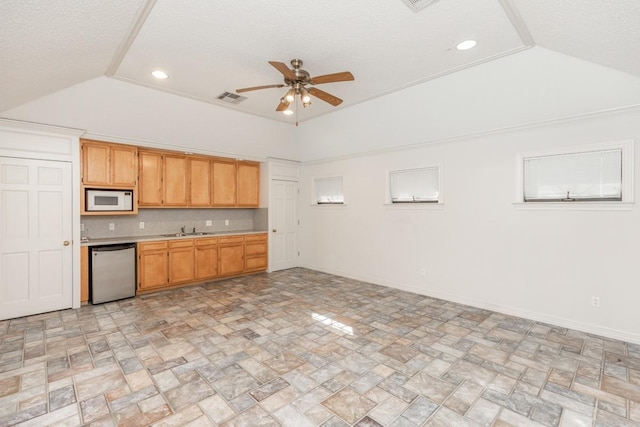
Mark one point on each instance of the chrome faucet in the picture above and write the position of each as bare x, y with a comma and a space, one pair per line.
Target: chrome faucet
182, 229
194, 230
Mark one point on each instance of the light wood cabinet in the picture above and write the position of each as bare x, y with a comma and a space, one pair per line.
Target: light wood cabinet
84, 274
150, 178
230, 255
108, 165
168, 263
181, 261
255, 252
152, 265
248, 179
224, 182
206, 258
174, 178
199, 181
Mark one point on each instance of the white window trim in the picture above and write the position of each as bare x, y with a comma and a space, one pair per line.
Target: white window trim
314, 201
413, 206
628, 158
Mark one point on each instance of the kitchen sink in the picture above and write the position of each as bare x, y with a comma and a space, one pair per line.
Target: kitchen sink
199, 233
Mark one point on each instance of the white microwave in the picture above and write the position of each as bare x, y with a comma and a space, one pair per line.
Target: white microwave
108, 200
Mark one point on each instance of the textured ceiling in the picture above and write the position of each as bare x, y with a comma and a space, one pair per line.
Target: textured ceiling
212, 47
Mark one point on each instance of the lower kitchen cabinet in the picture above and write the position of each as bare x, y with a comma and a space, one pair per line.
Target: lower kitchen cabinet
153, 265
175, 262
181, 261
255, 252
206, 258
231, 255
84, 274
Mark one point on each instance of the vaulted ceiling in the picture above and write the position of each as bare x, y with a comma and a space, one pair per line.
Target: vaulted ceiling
209, 48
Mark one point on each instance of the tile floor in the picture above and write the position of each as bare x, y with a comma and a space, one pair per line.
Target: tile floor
302, 348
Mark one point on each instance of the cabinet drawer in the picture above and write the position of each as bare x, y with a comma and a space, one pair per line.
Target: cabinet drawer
206, 241
231, 239
182, 243
255, 263
262, 237
257, 248
152, 246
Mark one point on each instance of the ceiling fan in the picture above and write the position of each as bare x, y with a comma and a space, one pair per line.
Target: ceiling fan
297, 79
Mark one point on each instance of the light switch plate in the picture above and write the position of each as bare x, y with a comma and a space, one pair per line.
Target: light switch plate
209, 223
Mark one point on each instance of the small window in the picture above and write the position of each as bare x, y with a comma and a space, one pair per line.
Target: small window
329, 191
593, 173
587, 176
415, 185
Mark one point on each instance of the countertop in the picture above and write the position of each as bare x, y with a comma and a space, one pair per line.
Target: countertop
136, 239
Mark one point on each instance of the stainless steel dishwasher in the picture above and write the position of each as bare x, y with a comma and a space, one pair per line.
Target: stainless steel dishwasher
113, 272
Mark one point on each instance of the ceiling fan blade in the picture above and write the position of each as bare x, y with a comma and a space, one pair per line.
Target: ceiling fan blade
282, 106
247, 89
326, 97
332, 78
282, 67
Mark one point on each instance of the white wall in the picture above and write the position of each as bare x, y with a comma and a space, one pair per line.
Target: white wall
113, 110
527, 87
478, 248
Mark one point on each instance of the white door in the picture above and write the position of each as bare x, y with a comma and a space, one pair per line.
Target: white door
35, 237
284, 224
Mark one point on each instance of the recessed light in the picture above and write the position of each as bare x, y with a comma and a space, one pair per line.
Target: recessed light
159, 74
467, 44
287, 112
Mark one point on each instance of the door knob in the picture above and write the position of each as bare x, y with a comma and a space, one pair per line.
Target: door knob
66, 243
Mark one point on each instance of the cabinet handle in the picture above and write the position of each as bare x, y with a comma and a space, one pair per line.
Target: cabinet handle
274, 230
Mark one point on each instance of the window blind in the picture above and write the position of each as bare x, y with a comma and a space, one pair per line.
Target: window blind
415, 185
329, 190
586, 176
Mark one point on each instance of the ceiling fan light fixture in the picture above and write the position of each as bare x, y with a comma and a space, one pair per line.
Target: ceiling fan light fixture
305, 97
287, 112
290, 96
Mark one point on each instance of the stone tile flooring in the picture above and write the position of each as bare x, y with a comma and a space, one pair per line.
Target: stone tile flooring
302, 348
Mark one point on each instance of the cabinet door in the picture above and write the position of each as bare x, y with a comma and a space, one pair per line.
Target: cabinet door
124, 166
223, 176
231, 259
248, 184
150, 178
176, 169
199, 182
255, 252
84, 273
181, 262
206, 256
95, 164
152, 265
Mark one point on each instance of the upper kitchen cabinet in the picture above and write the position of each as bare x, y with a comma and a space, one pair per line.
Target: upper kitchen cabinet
224, 181
199, 182
150, 178
108, 165
175, 180
248, 184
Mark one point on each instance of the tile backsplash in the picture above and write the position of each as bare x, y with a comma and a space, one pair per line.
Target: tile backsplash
161, 221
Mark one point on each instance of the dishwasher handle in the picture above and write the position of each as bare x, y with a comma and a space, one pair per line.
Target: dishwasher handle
111, 248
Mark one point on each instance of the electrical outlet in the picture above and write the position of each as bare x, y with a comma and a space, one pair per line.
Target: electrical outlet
595, 301
112, 226
81, 227
208, 223
226, 222
141, 224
